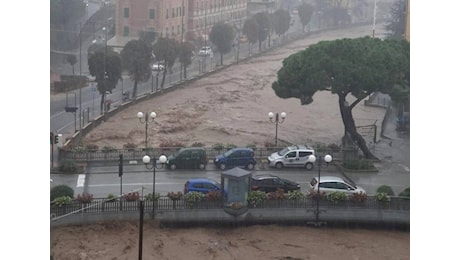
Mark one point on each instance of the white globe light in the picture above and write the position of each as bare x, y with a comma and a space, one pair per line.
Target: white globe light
146, 159
312, 158
328, 158
162, 159
283, 115
140, 115
153, 115
270, 115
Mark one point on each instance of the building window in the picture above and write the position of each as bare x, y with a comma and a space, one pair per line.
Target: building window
167, 15
126, 31
126, 12
167, 34
172, 12
152, 14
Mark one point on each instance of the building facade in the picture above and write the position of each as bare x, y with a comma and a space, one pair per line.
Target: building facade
183, 20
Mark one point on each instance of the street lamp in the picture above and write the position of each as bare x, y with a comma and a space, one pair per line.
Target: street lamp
277, 121
153, 165
146, 119
312, 158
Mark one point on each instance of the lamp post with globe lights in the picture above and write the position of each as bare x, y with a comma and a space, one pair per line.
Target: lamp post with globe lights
146, 119
327, 159
276, 119
151, 164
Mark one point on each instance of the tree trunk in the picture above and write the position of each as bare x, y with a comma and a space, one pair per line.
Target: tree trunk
221, 59
164, 77
135, 89
350, 128
185, 72
102, 103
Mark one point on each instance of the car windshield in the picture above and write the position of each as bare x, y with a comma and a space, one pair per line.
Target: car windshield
227, 154
283, 152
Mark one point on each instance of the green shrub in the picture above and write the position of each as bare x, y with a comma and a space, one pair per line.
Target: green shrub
60, 191
336, 196
386, 189
111, 197
358, 165
405, 192
59, 201
107, 149
198, 144
149, 197
314, 195
129, 146
218, 146
230, 146
79, 149
68, 166
251, 145
175, 195
382, 197
193, 197
92, 147
295, 195
256, 197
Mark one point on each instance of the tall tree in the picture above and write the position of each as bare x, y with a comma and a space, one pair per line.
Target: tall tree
250, 29
350, 68
305, 13
396, 25
167, 50
112, 70
222, 35
72, 60
185, 55
136, 57
263, 27
281, 20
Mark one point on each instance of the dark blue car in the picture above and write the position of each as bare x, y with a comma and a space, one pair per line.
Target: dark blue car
202, 185
236, 157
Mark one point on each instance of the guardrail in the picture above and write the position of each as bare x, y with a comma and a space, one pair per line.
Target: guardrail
397, 210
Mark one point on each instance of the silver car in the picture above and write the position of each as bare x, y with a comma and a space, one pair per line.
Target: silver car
292, 156
330, 184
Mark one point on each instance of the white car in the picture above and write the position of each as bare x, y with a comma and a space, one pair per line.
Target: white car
292, 156
158, 67
205, 51
330, 184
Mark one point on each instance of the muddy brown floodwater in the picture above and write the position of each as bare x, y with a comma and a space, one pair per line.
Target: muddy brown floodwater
231, 107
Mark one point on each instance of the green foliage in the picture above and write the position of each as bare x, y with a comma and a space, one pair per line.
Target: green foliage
218, 146
251, 145
250, 29
197, 144
92, 147
396, 25
277, 195
305, 13
136, 57
336, 196
256, 197
107, 149
59, 201
85, 197
280, 20
79, 149
385, 189
60, 191
263, 27
68, 166
171, 143
358, 164
129, 146
186, 53
405, 192
111, 197
193, 197
167, 50
108, 61
222, 36
295, 195
149, 197
230, 146
175, 195
314, 195
382, 197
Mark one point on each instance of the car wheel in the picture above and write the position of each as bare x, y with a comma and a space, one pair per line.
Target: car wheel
309, 166
202, 166
173, 167
250, 166
279, 165
222, 166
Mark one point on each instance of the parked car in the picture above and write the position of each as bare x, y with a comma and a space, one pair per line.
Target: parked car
202, 185
241, 157
188, 158
205, 51
270, 183
292, 156
330, 184
158, 67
